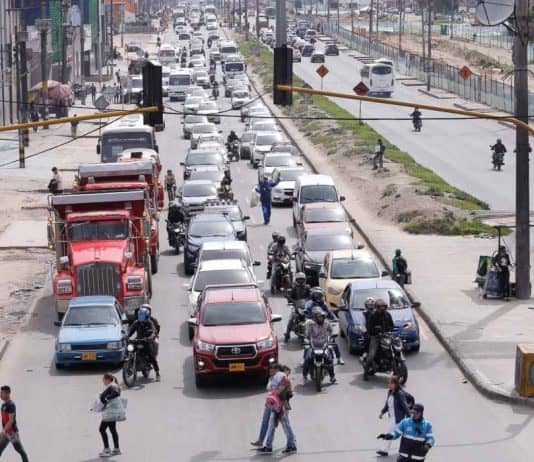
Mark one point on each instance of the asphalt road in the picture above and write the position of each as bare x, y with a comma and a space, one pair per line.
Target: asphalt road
458, 150
173, 421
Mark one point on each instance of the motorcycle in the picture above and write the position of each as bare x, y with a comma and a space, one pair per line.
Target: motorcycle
233, 149
321, 356
171, 192
417, 124
226, 193
135, 361
299, 319
389, 358
176, 233
282, 278
497, 159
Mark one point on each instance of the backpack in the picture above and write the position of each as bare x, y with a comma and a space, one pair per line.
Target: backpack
410, 400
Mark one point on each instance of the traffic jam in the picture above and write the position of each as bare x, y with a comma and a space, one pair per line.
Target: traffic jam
241, 216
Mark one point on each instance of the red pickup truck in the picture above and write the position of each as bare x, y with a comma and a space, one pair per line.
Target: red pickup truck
233, 332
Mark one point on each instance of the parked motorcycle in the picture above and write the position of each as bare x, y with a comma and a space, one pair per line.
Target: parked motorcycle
321, 356
389, 358
299, 319
417, 124
135, 361
282, 277
497, 159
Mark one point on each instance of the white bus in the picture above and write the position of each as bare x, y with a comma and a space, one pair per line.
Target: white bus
179, 81
379, 78
125, 133
167, 54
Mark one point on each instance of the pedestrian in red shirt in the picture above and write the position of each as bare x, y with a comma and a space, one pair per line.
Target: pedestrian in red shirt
10, 430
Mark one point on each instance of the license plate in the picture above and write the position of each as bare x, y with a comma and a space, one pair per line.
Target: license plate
236, 367
88, 356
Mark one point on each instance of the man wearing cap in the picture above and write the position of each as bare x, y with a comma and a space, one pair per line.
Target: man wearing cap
416, 436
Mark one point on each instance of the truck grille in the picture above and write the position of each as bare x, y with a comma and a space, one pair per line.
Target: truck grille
247, 362
98, 279
236, 351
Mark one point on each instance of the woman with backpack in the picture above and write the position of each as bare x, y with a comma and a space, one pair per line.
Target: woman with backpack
397, 406
108, 398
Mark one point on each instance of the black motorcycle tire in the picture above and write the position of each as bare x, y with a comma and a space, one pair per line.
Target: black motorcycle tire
146, 372
129, 372
273, 285
318, 378
401, 371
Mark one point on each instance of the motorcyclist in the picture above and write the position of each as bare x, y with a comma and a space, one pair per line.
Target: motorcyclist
175, 217
416, 114
416, 434
299, 291
498, 149
146, 331
231, 138
215, 89
170, 184
317, 333
318, 300
270, 247
280, 251
380, 322
369, 305
226, 179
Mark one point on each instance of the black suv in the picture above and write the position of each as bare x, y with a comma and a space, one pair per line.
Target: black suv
331, 50
231, 209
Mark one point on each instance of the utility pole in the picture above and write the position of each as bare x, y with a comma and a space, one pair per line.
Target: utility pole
429, 45
82, 44
328, 14
401, 23
64, 35
111, 34
377, 13
423, 41
99, 43
43, 25
370, 25
522, 191
239, 19
258, 19
351, 22
338, 16
246, 20
453, 10
22, 82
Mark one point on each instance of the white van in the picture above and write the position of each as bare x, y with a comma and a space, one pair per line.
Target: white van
179, 81
227, 48
310, 189
379, 78
167, 54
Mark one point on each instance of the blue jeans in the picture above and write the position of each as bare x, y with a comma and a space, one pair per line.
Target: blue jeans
264, 423
286, 426
266, 209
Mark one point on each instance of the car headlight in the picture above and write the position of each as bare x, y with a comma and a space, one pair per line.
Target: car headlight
204, 346
334, 291
265, 343
63, 347
130, 348
134, 283
356, 329
408, 326
64, 286
114, 345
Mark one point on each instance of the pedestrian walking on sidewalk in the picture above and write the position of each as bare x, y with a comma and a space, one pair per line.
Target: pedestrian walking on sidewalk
396, 407
378, 158
10, 429
74, 127
502, 263
93, 92
110, 404
400, 268
34, 116
118, 75
55, 186
416, 434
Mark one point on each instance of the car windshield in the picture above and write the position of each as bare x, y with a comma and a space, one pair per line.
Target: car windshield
211, 229
167, 53
205, 128
113, 144
223, 276
240, 94
203, 159
285, 148
228, 50
324, 215
212, 175
264, 140
265, 126
318, 193
395, 298
224, 254
290, 175
247, 137
97, 230
322, 242
280, 161
180, 80
234, 67
208, 106
193, 100
354, 268
201, 74
199, 190
196, 119
91, 315
381, 70
233, 314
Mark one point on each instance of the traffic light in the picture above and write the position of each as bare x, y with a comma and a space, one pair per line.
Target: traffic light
283, 75
152, 94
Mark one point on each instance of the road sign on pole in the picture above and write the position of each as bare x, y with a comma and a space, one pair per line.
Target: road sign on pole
322, 70
465, 72
361, 90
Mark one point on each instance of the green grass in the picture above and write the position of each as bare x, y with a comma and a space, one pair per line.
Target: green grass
447, 227
390, 190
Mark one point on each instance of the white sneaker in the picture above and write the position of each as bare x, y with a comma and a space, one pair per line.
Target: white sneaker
105, 453
340, 361
116, 452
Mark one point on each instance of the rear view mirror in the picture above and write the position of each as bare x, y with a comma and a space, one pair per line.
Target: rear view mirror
322, 275
341, 198
385, 273
57, 323
182, 163
246, 217
276, 317
192, 322
98, 148
156, 148
256, 263
416, 305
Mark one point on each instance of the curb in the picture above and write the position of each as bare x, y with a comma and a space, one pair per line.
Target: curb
4, 343
434, 95
473, 376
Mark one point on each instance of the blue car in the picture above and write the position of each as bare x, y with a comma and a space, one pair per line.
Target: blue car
92, 331
352, 320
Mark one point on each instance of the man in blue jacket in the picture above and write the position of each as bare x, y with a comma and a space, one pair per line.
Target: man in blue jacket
265, 188
416, 436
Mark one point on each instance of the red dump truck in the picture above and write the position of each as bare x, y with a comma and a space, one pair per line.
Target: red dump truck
100, 240
117, 176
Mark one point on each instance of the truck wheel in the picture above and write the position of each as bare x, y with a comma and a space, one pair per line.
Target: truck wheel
200, 381
149, 280
60, 366
154, 263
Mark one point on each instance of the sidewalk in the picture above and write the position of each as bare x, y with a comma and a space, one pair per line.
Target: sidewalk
481, 335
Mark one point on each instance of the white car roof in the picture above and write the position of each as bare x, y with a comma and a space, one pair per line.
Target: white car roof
223, 245
199, 182
217, 265
306, 180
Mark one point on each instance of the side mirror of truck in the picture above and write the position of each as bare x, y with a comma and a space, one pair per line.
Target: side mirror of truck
276, 317
385, 273
156, 148
341, 198
50, 233
98, 148
192, 322
57, 323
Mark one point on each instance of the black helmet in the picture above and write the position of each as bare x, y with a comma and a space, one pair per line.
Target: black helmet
275, 236
381, 304
317, 295
281, 240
